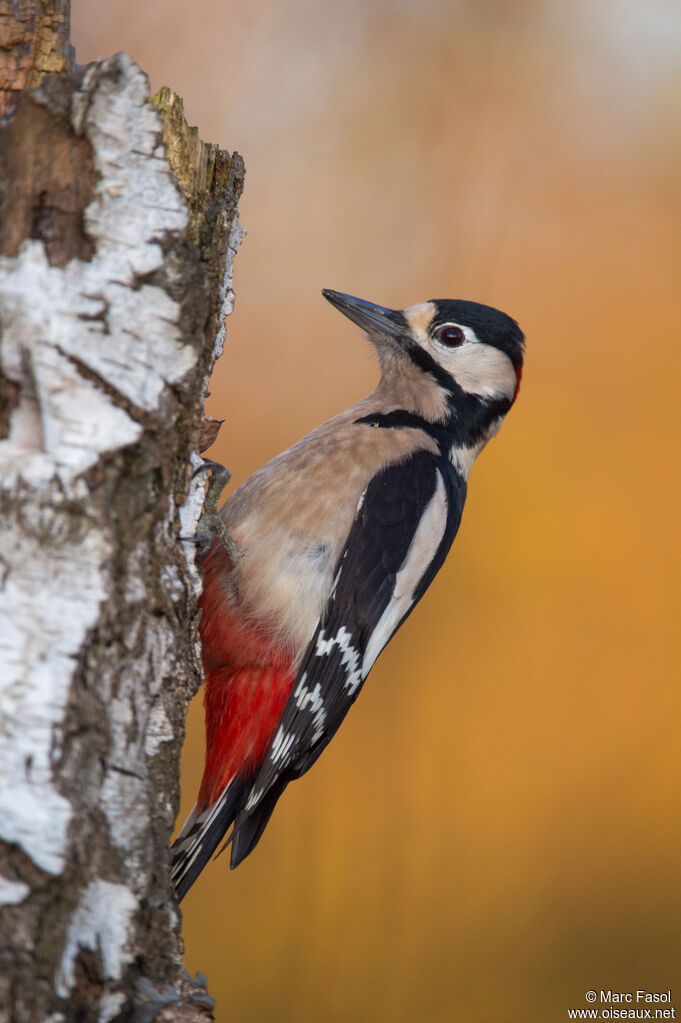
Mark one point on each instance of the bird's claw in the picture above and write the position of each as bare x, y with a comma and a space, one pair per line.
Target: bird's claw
201, 540
211, 524
216, 470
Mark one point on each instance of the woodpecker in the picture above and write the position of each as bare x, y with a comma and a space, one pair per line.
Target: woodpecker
338, 538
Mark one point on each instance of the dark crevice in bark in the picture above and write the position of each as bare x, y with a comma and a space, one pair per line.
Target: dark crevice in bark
137, 661
47, 176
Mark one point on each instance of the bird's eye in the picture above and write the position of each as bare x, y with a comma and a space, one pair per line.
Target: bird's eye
450, 335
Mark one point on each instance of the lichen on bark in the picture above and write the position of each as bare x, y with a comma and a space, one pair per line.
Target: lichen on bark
109, 328
34, 41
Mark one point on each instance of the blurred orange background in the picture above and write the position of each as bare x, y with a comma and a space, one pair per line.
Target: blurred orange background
496, 828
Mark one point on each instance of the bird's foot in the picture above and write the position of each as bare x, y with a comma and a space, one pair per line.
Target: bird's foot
211, 523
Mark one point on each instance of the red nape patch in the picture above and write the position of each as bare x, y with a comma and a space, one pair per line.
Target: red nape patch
518, 378
248, 680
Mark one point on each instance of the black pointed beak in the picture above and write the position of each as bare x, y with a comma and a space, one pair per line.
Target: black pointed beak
374, 319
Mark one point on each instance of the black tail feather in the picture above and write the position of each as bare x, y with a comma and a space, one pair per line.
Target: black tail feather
250, 825
201, 835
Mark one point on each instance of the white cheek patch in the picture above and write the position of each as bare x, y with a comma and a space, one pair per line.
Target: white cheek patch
480, 369
423, 549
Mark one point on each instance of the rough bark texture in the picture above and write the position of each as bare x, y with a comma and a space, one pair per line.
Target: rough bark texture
34, 40
114, 286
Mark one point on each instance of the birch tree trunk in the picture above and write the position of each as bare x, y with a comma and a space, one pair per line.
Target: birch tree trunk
118, 229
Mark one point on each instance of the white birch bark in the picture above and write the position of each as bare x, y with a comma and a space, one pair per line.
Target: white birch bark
108, 359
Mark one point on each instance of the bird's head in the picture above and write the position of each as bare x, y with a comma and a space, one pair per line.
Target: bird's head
465, 348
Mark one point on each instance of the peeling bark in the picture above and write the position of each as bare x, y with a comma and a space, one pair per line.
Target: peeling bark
115, 281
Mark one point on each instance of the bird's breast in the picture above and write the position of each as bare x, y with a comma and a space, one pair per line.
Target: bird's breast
292, 517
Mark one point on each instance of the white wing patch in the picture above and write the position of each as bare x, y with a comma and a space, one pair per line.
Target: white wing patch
423, 549
281, 744
349, 656
253, 800
313, 699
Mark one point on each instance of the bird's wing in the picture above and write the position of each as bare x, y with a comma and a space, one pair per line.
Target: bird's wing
404, 525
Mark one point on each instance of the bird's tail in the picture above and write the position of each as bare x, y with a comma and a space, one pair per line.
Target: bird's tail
243, 706
200, 836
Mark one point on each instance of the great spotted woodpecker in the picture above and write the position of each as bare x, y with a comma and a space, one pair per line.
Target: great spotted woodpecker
338, 539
